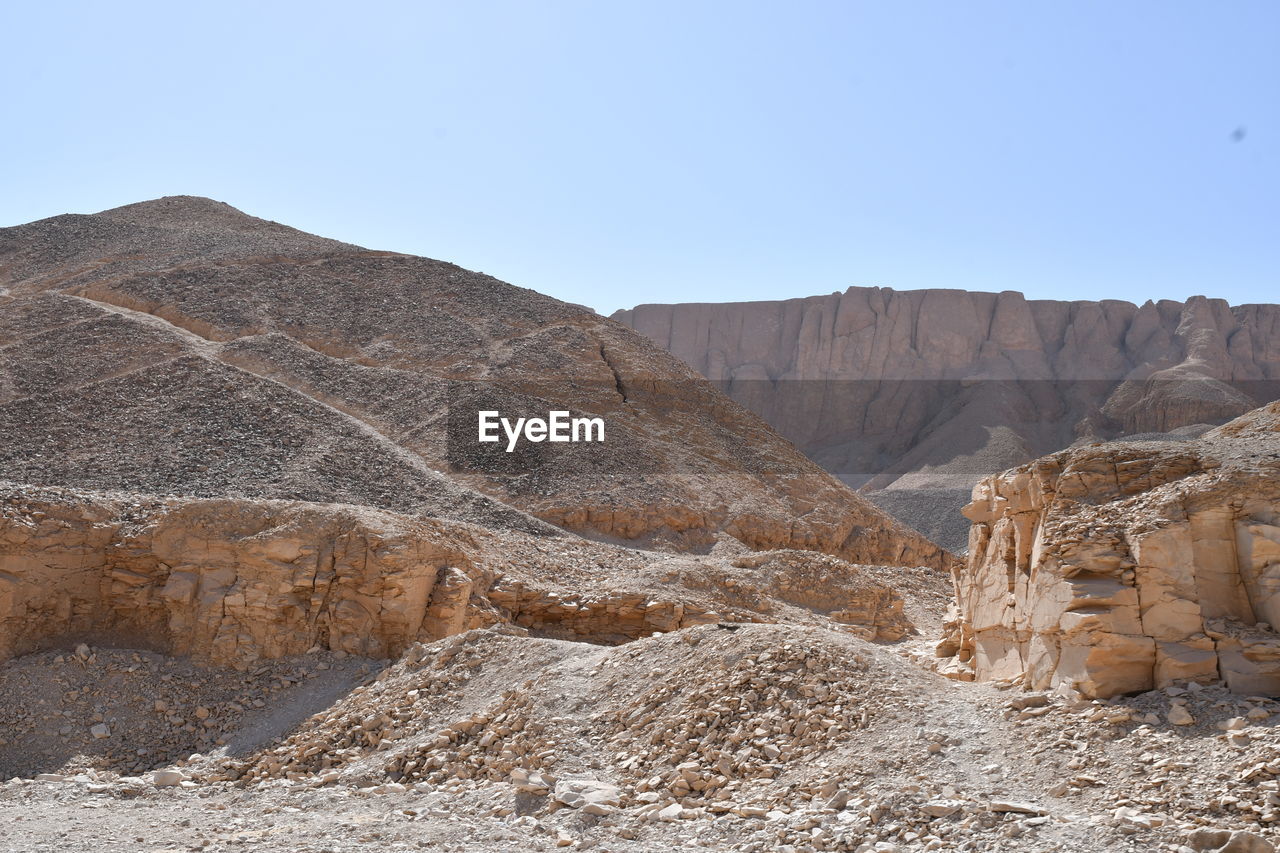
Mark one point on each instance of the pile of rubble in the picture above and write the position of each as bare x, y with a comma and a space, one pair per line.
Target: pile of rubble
133, 711
742, 702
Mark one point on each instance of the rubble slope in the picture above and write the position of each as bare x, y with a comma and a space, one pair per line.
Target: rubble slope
180, 347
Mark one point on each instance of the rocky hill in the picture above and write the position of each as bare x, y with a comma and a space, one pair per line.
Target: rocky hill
915, 395
181, 347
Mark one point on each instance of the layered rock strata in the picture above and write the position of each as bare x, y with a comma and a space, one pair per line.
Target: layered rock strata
230, 581
1120, 567
916, 395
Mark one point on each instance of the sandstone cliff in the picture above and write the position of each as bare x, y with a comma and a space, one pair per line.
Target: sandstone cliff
1120, 567
180, 347
916, 395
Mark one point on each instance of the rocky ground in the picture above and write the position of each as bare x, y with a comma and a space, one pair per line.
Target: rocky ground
717, 737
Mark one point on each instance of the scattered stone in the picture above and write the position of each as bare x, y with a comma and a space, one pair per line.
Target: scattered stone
167, 778
1017, 807
942, 808
580, 793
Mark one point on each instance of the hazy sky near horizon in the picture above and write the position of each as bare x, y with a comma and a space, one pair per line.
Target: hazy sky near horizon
614, 153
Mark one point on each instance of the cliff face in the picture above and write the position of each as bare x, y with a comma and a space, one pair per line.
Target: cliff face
234, 581
1126, 566
924, 392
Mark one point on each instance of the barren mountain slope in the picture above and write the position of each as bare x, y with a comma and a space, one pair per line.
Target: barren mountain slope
181, 347
915, 395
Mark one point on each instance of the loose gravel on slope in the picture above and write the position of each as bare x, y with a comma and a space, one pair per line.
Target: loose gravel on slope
720, 737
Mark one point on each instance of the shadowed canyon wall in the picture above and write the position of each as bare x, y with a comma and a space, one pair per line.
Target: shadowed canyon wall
915, 395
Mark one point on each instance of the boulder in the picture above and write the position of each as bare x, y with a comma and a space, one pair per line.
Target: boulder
584, 793
1228, 841
167, 778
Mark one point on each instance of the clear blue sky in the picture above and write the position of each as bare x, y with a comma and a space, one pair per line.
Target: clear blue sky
615, 153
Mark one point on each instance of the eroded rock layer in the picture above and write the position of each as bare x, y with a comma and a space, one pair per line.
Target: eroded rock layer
1120, 567
234, 581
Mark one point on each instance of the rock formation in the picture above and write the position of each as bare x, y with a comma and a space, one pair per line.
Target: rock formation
234, 581
180, 347
916, 395
1116, 568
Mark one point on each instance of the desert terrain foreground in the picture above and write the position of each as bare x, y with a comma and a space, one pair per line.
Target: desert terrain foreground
259, 592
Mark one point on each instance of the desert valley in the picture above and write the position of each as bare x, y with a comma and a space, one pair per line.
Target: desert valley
875, 571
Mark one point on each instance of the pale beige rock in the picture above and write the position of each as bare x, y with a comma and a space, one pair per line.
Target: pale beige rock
942, 808
224, 580
1228, 841
1118, 568
167, 778
231, 581
1017, 807
580, 793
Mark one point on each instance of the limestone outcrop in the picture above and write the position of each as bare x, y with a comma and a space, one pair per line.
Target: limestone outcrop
222, 580
231, 582
1116, 568
915, 395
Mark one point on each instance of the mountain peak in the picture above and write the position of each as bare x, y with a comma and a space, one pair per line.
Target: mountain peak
188, 214
184, 211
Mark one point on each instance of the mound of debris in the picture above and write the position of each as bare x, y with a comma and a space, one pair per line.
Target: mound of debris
743, 703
